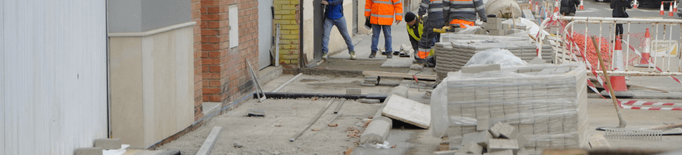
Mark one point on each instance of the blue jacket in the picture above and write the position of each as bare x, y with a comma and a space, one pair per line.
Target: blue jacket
334, 10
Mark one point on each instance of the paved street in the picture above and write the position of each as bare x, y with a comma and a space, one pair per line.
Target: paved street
602, 9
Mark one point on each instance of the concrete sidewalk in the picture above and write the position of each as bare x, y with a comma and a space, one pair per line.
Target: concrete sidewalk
363, 43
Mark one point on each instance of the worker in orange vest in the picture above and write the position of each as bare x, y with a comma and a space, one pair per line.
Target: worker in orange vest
463, 12
381, 14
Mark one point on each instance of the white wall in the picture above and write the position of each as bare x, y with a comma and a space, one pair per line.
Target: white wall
52, 75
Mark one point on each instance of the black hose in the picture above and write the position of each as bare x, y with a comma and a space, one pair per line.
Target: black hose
278, 95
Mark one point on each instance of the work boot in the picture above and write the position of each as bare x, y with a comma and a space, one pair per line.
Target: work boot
324, 56
352, 55
420, 61
389, 55
373, 54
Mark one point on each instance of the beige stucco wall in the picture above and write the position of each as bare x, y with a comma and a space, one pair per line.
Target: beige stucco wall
152, 85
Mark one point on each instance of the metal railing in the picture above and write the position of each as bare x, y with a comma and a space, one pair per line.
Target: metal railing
569, 51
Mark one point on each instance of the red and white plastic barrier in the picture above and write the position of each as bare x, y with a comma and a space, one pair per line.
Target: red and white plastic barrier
581, 5
636, 104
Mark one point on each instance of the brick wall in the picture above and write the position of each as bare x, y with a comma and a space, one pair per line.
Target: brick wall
287, 15
224, 69
196, 17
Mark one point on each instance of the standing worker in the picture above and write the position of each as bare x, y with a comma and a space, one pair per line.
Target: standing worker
381, 15
463, 12
619, 7
334, 16
435, 20
568, 7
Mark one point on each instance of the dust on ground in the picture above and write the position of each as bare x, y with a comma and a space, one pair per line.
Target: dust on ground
284, 118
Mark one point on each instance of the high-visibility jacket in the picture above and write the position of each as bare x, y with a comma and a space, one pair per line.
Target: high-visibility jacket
420, 31
381, 12
467, 10
434, 8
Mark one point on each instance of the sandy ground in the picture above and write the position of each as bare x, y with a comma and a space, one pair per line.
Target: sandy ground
271, 134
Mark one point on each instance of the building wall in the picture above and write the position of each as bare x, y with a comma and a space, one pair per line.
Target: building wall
287, 15
152, 66
224, 69
198, 96
152, 85
53, 76
145, 15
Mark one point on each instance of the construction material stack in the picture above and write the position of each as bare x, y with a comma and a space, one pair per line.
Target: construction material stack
455, 50
546, 104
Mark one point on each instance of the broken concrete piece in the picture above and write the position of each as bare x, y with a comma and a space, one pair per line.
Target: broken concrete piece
400, 91
448, 152
480, 138
376, 131
256, 113
504, 152
353, 91
416, 67
509, 132
483, 124
480, 68
88, 151
113, 143
495, 130
370, 101
471, 148
502, 144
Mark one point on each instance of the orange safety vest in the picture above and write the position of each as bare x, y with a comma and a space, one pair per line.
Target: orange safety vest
381, 12
461, 23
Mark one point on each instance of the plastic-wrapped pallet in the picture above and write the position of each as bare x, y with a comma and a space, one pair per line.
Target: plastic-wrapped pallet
547, 103
451, 56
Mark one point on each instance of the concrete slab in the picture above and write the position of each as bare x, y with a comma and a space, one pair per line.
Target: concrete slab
400, 91
88, 151
113, 143
397, 62
408, 111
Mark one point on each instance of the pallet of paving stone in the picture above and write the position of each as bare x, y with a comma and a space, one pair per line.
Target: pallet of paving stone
547, 103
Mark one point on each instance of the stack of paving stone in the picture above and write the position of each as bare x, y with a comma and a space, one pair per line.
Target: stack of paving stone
546, 103
452, 56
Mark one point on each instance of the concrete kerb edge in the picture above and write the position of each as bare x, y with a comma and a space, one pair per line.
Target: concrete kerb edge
323, 71
199, 122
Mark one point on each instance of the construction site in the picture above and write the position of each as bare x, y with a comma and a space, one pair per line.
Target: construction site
249, 77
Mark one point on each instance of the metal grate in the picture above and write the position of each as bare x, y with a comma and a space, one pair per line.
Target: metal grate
634, 134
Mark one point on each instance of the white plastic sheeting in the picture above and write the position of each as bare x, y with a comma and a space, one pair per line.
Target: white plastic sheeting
52, 75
